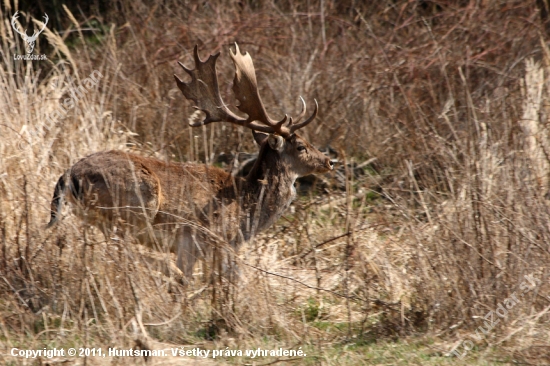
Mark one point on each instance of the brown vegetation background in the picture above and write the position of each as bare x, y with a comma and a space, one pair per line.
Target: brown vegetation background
446, 103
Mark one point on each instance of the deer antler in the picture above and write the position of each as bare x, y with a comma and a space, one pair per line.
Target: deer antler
24, 34
37, 33
14, 24
203, 89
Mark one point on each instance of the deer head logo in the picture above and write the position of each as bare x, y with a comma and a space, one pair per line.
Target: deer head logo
32, 39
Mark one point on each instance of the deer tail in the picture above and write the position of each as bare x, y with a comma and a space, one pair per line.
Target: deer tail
57, 201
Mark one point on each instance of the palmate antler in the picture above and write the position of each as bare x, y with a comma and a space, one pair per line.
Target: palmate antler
204, 91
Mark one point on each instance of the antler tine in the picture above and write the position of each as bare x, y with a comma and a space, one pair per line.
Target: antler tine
302, 113
188, 71
297, 126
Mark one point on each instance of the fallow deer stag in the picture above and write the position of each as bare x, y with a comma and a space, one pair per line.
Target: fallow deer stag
180, 205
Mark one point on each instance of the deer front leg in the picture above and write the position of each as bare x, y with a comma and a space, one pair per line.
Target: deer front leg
188, 250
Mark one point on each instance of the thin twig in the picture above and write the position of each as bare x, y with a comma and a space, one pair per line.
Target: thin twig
300, 282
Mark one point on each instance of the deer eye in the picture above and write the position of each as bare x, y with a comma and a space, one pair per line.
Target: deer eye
301, 148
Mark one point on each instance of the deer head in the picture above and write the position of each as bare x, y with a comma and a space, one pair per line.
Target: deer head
30, 40
279, 135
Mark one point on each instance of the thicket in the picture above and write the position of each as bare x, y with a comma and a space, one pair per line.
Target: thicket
447, 102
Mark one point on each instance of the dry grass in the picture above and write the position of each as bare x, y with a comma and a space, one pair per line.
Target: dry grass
450, 100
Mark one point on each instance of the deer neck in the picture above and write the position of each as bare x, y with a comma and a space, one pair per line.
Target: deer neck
270, 184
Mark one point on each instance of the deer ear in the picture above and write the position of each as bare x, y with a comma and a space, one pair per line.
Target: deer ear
276, 142
259, 137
